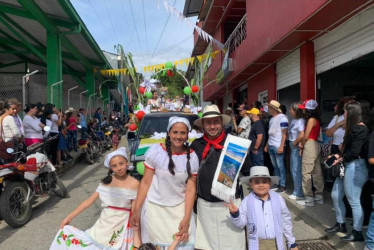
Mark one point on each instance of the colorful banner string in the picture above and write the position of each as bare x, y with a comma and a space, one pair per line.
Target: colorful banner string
157, 67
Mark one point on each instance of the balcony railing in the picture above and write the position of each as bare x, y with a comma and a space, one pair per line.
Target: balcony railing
237, 36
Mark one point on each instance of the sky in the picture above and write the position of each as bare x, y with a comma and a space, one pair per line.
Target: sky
152, 35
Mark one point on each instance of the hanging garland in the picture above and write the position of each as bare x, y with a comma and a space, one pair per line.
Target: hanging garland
159, 67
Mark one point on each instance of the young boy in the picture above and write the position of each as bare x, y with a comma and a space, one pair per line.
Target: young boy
264, 212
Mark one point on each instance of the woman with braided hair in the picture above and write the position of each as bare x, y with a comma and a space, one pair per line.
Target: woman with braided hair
164, 203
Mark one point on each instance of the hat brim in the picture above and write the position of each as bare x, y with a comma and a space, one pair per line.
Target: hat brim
274, 179
277, 109
225, 118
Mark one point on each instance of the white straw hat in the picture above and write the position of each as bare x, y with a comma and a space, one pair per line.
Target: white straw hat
211, 111
260, 171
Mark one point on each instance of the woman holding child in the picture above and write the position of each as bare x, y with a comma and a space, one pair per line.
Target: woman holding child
167, 191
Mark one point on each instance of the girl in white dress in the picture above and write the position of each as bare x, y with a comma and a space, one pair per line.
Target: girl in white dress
117, 192
167, 191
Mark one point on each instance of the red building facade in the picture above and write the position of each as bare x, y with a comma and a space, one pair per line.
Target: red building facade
261, 36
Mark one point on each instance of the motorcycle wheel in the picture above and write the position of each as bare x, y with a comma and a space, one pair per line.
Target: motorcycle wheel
12, 207
59, 189
89, 157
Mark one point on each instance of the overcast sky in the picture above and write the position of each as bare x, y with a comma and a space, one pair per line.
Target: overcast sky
138, 25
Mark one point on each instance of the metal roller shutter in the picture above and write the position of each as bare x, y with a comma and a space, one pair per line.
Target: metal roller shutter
288, 70
347, 42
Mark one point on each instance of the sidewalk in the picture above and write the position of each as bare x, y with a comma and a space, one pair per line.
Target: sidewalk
321, 217
78, 157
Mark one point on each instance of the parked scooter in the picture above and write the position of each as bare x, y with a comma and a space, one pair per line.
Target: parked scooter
107, 130
32, 175
89, 147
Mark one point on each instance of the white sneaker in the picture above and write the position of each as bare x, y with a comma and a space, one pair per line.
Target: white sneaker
292, 197
319, 199
308, 202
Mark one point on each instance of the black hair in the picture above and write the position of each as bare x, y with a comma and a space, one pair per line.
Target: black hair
170, 154
171, 165
29, 107
365, 107
354, 116
81, 109
107, 179
283, 108
147, 246
312, 113
342, 102
371, 119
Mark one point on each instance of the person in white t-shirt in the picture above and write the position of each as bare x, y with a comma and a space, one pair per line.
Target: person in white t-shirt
278, 127
295, 136
245, 124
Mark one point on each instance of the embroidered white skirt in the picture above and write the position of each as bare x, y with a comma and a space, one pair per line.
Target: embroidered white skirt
159, 224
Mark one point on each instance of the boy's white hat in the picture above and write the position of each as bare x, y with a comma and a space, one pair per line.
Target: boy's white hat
260, 171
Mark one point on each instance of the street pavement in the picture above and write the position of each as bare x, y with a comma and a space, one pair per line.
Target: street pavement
81, 181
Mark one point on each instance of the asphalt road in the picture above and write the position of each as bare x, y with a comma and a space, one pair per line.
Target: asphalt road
80, 181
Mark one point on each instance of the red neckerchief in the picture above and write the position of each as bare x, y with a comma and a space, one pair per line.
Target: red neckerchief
215, 143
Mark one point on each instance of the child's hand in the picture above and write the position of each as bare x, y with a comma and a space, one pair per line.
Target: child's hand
66, 221
233, 209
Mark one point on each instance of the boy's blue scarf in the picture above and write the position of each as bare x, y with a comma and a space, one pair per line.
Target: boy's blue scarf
252, 222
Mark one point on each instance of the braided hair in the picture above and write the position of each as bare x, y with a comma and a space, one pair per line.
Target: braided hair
107, 179
171, 165
188, 166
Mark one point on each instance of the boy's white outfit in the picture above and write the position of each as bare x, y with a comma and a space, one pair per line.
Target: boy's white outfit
265, 219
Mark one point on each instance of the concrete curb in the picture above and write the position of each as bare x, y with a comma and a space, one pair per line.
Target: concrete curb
333, 239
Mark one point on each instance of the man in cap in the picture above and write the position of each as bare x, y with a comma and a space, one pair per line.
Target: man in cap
278, 128
257, 136
245, 123
214, 229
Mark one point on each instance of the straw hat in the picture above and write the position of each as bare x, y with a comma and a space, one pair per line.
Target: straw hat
211, 111
275, 105
71, 109
260, 171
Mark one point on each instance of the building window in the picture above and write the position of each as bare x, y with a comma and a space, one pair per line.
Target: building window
263, 97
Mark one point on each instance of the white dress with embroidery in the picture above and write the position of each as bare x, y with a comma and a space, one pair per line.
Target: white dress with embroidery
164, 206
111, 230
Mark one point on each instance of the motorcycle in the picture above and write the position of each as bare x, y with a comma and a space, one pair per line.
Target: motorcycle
90, 147
107, 130
32, 175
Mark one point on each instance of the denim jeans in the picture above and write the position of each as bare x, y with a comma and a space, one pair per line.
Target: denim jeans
370, 232
72, 139
258, 159
83, 132
278, 163
295, 162
355, 176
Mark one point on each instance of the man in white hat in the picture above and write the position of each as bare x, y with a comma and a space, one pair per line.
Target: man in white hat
214, 229
264, 213
278, 128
